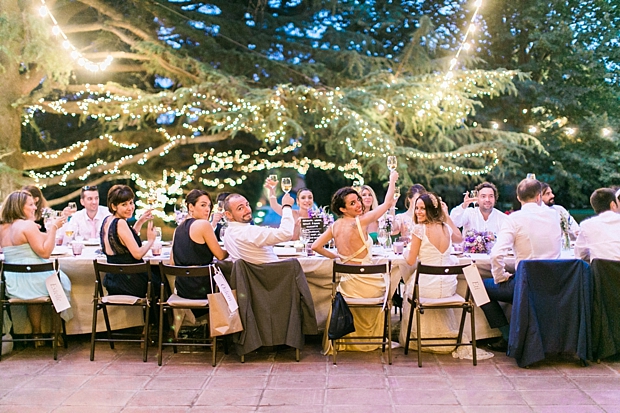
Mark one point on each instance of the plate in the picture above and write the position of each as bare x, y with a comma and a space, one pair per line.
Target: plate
286, 252
60, 250
91, 242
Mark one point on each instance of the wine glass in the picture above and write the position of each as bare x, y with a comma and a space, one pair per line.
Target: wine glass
382, 237
357, 186
392, 162
287, 185
157, 234
273, 178
151, 199
474, 194
73, 207
531, 176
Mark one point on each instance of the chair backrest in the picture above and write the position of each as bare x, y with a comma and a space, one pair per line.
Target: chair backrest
181, 271
139, 268
24, 269
359, 269
438, 270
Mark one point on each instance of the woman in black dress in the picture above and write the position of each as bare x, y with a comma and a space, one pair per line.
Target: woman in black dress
122, 245
194, 243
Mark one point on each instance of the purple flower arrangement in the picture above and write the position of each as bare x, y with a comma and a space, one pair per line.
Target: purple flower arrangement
322, 212
478, 242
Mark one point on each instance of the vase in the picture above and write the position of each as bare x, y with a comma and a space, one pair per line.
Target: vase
566, 242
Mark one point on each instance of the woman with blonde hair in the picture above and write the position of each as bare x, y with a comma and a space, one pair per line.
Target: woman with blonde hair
370, 202
23, 243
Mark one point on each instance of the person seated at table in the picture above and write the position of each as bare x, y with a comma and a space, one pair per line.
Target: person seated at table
194, 243
253, 243
370, 202
353, 244
23, 243
122, 245
40, 202
216, 219
484, 217
533, 233
305, 202
548, 198
595, 239
87, 222
431, 244
404, 222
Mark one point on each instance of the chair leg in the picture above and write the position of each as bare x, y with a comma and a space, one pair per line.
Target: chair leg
386, 317
1, 326
213, 351
334, 350
409, 325
93, 333
389, 336
243, 358
55, 328
107, 324
160, 334
297, 355
417, 314
146, 338
64, 334
473, 335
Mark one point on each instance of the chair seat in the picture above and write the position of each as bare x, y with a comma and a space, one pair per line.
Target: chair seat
429, 302
122, 299
364, 301
176, 301
38, 300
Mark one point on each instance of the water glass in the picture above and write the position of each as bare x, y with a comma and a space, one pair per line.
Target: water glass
77, 247
157, 234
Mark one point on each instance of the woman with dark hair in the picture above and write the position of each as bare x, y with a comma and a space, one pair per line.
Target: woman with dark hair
122, 245
404, 222
353, 246
431, 244
194, 243
23, 243
304, 200
40, 203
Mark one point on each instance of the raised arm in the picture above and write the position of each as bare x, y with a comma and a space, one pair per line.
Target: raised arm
388, 202
457, 236
124, 233
273, 200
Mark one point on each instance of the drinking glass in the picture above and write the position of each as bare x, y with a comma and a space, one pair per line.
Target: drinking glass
392, 163
357, 186
287, 185
530, 176
157, 234
474, 194
72, 206
151, 199
69, 234
382, 237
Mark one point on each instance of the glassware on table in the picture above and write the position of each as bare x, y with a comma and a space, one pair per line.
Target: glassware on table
157, 234
530, 176
392, 162
382, 236
77, 247
69, 234
287, 185
156, 248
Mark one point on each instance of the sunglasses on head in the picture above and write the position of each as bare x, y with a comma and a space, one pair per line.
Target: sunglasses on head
89, 188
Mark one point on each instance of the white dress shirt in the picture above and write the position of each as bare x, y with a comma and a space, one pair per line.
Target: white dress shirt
573, 225
86, 227
254, 244
599, 237
471, 218
533, 233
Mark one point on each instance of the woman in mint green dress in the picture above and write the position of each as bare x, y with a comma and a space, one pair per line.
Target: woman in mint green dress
23, 243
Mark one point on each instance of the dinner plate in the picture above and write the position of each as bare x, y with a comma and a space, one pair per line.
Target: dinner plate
91, 242
60, 250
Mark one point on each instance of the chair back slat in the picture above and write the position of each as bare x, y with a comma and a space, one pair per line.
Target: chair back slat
141, 267
193, 271
359, 269
441, 269
29, 268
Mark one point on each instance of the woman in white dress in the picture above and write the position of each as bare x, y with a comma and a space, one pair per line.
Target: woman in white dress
404, 222
431, 242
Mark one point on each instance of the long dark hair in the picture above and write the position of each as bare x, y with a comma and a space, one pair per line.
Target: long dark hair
414, 190
432, 204
193, 196
339, 202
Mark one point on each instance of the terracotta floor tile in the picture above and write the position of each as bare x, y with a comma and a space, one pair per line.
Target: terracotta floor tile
614, 408
27, 409
130, 369
60, 382
99, 397
361, 397
74, 368
277, 397
540, 383
470, 371
488, 397
430, 382
434, 408
597, 383
161, 382
163, 398
360, 381
47, 397
91, 409
355, 367
156, 409
480, 382
426, 397
290, 409
12, 367
356, 408
222, 409
300, 368
242, 369
413, 370
300, 381
567, 408
229, 397
510, 408
117, 382
575, 369
555, 397
514, 370
237, 382
604, 397
14, 381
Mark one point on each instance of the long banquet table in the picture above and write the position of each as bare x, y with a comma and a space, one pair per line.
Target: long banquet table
318, 271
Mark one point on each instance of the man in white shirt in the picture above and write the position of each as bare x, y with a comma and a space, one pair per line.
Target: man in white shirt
253, 243
87, 222
532, 233
484, 217
599, 236
548, 198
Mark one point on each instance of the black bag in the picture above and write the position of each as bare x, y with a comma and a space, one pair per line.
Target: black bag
341, 321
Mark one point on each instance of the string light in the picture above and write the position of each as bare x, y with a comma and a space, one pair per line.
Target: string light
465, 45
67, 45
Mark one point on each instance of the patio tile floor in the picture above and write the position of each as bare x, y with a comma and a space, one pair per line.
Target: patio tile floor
271, 381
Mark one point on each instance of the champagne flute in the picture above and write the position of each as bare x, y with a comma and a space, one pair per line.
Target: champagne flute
392, 162
287, 185
474, 194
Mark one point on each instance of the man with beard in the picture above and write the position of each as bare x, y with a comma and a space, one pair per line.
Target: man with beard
548, 198
253, 243
482, 218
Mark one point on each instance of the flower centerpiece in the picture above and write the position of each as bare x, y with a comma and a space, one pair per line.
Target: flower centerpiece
478, 242
565, 226
322, 212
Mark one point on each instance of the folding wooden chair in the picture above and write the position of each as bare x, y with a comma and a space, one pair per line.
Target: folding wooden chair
171, 301
421, 304
101, 301
377, 303
45, 301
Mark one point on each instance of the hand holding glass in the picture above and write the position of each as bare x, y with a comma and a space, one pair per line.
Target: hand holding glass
72, 206
392, 163
287, 185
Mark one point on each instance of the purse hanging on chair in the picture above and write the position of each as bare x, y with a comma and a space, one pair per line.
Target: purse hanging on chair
341, 320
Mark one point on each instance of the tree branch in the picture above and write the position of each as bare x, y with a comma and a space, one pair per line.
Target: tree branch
66, 198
